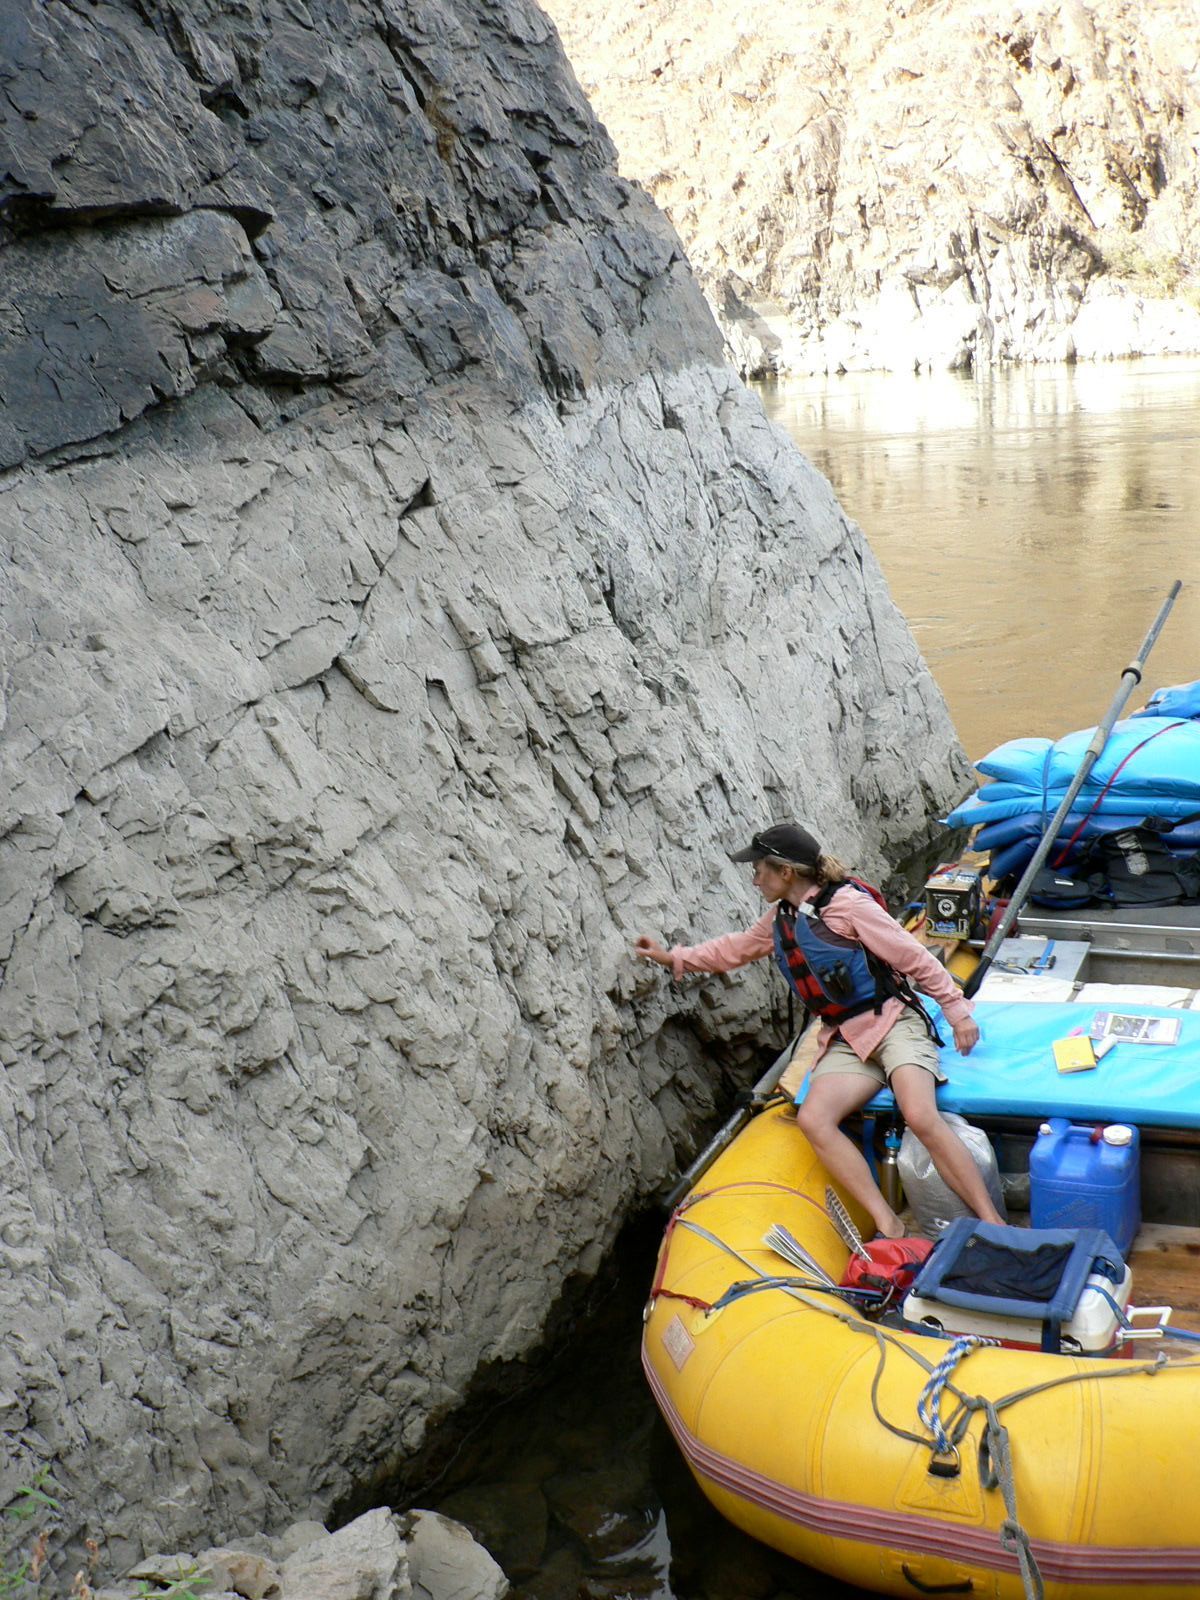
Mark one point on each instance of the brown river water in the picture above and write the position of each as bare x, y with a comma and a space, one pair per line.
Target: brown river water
1030, 525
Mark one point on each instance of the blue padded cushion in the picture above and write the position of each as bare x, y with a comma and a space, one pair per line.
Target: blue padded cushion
1180, 700
1011, 1070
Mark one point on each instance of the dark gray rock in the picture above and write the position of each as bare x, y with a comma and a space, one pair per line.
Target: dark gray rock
100, 120
152, 309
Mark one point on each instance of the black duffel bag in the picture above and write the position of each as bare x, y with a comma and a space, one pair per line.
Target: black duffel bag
1135, 867
1067, 888
1125, 867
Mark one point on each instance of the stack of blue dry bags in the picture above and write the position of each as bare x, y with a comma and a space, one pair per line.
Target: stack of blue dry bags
1133, 833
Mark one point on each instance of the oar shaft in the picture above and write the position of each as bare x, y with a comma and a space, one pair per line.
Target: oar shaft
1131, 676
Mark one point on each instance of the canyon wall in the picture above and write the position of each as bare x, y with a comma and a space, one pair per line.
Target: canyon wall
403, 608
918, 183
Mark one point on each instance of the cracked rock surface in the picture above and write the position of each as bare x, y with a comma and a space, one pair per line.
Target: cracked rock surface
403, 608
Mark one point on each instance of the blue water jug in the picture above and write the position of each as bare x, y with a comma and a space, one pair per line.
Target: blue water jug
1086, 1177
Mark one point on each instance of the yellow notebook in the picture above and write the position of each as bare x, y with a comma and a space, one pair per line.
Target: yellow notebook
1074, 1054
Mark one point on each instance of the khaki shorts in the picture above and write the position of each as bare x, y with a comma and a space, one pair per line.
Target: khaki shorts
906, 1044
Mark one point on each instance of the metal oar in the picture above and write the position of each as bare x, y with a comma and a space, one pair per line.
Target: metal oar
1131, 676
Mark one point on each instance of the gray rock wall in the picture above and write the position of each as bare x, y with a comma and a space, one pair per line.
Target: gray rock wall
402, 609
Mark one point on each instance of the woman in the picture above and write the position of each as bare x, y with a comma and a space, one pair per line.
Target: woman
850, 962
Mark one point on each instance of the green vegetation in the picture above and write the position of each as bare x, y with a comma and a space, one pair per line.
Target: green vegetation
26, 1526
1160, 275
28, 1520
189, 1585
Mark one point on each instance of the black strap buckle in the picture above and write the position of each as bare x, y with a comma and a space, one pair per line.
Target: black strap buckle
948, 1465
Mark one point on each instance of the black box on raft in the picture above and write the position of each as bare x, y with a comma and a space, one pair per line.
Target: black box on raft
952, 900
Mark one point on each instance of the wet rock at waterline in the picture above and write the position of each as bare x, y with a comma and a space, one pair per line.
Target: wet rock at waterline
916, 185
402, 609
511, 1519
378, 1556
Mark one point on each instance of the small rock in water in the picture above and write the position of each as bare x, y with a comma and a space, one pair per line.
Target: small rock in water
510, 1519
602, 1509
560, 1577
445, 1563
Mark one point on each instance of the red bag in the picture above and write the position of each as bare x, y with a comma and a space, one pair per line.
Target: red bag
893, 1265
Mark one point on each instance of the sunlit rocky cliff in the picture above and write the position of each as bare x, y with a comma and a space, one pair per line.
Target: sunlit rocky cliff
403, 607
916, 183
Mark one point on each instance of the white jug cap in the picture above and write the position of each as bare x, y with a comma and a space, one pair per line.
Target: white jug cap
1045, 1128
1118, 1133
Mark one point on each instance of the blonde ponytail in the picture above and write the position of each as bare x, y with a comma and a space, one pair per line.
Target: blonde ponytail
831, 870
828, 869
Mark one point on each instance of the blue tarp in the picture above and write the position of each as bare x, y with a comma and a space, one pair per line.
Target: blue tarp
1011, 1070
1167, 762
1180, 700
1011, 859
1152, 763
1123, 809
1182, 838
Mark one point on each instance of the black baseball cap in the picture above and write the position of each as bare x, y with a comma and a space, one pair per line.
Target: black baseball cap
787, 840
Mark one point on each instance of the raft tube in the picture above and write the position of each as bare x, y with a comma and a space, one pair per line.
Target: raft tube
799, 1418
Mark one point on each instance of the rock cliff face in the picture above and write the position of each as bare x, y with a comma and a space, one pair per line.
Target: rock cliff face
916, 183
402, 608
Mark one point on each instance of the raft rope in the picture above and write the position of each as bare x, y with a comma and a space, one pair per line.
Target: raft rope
739, 1291
996, 1471
929, 1403
995, 1453
658, 1289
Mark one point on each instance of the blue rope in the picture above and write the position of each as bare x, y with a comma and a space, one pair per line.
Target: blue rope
929, 1406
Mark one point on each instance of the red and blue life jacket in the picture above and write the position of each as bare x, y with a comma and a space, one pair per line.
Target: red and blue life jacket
834, 976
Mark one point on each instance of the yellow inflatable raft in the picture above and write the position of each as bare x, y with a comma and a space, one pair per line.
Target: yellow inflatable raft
802, 1420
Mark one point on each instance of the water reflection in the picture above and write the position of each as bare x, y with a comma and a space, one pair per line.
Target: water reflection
580, 1493
1029, 523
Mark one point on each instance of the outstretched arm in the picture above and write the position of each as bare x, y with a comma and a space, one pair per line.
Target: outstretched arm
651, 950
725, 953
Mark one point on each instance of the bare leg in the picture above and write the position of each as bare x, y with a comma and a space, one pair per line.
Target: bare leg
830, 1099
915, 1092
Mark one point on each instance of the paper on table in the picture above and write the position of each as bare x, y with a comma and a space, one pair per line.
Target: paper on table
1130, 1027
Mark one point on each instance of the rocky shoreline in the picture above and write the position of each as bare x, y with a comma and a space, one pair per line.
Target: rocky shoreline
417, 1555
404, 608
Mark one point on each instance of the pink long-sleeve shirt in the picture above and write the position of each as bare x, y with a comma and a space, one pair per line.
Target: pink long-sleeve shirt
857, 916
